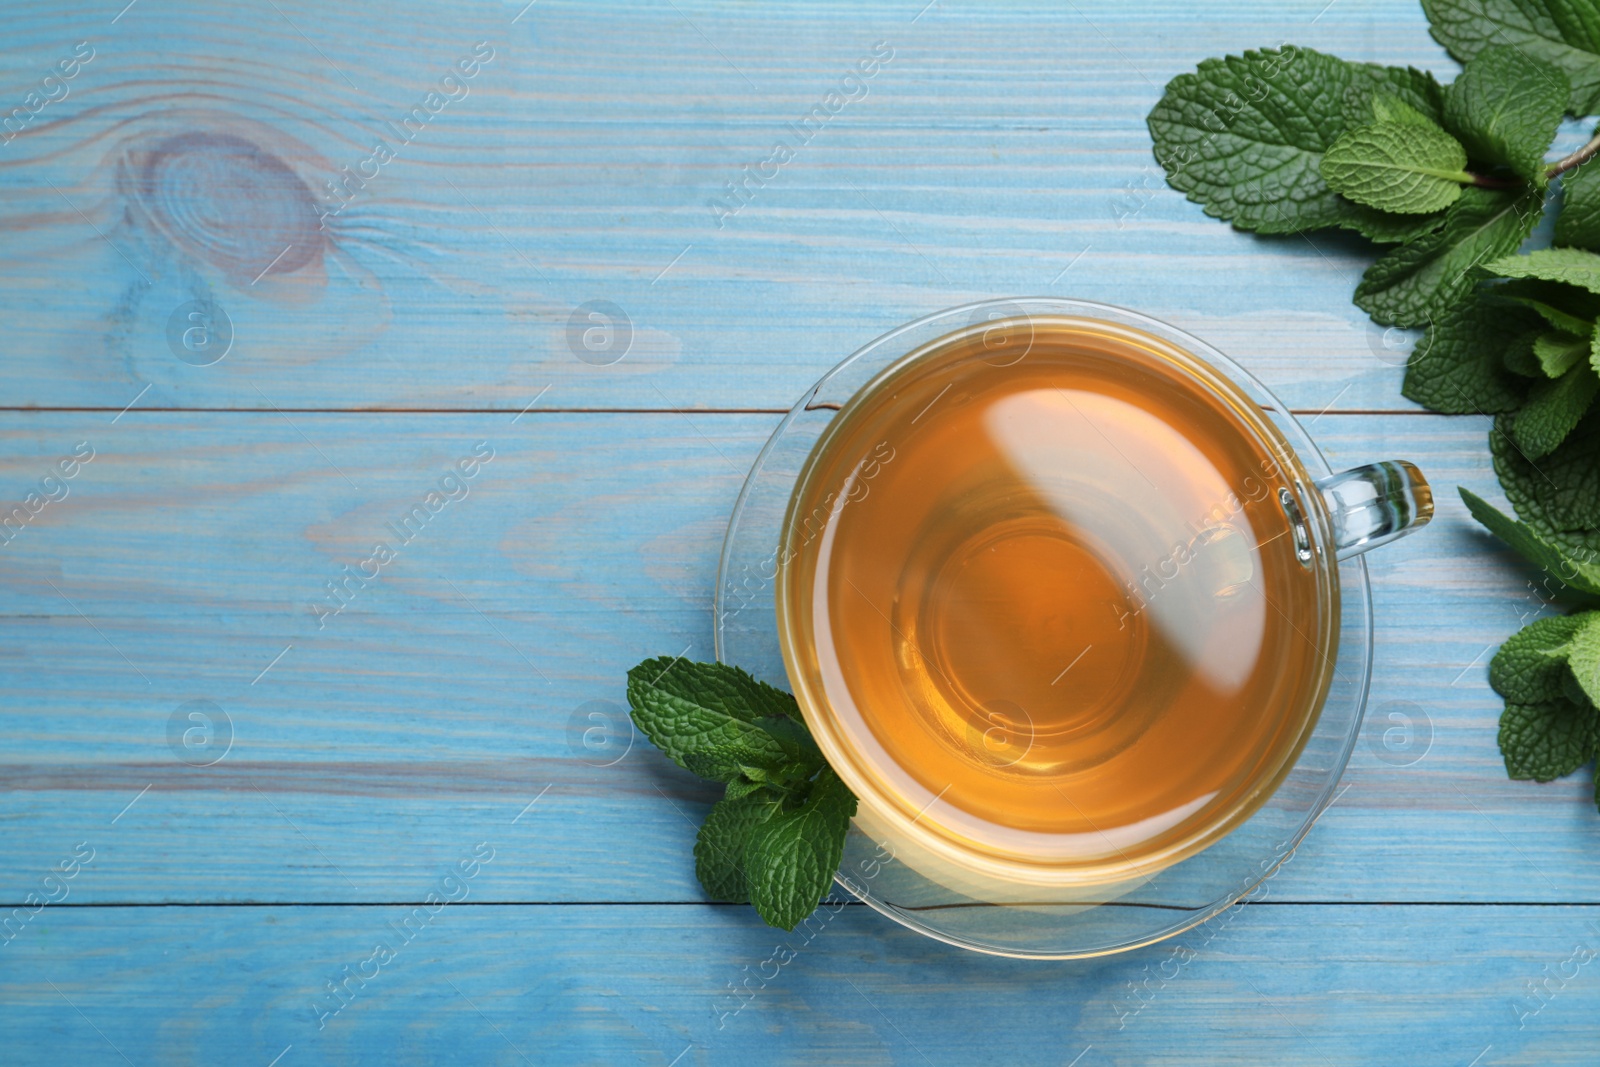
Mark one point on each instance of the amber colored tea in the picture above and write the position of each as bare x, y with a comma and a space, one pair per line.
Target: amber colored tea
1051, 597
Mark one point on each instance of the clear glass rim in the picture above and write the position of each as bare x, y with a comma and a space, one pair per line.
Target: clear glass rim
1355, 594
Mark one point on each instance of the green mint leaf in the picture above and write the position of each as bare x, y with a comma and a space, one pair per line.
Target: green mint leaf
749, 758
1389, 108
1377, 94
1564, 307
1457, 366
700, 715
719, 847
794, 738
1385, 228
745, 758
1243, 136
789, 779
1573, 691
743, 787
1554, 407
1584, 656
1570, 265
1530, 666
1560, 32
719, 686
713, 766
1558, 352
1546, 740
1426, 276
1534, 546
1519, 358
1578, 225
1559, 491
1564, 322
1406, 167
792, 856
785, 778
1505, 107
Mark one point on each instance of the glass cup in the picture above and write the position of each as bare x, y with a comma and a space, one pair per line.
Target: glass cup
934, 865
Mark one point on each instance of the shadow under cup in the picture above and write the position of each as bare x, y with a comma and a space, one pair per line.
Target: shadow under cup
1076, 616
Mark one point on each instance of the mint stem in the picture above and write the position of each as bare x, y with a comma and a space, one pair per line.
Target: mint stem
1576, 159
1560, 166
1483, 181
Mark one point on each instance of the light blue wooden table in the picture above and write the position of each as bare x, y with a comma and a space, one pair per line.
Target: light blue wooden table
1438, 914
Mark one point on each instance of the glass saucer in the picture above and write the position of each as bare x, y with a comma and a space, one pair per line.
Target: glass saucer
1170, 902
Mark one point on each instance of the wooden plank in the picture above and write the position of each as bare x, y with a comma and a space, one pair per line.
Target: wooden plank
1323, 985
455, 687
992, 150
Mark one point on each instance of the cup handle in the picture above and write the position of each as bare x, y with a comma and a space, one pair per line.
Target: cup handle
1372, 505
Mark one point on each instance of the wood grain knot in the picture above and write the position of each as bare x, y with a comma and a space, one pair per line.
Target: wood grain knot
226, 200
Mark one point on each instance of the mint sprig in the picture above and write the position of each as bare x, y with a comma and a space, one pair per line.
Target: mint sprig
1453, 178
776, 837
